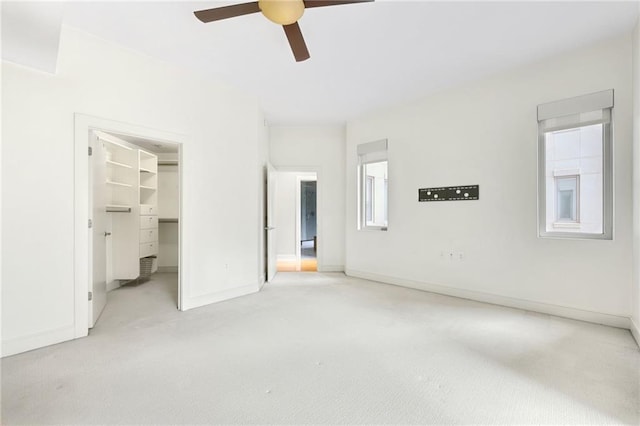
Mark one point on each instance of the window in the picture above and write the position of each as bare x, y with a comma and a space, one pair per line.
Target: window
372, 185
567, 199
575, 167
386, 199
368, 198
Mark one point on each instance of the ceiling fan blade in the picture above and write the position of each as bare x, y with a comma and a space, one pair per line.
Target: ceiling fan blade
296, 41
226, 12
322, 3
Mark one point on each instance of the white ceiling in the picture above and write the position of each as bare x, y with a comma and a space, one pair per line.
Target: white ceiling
363, 56
157, 147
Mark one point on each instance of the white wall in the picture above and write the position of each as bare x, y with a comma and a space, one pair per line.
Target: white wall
321, 148
485, 133
263, 160
168, 191
285, 215
168, 207
168, 247
220, 160
636, 183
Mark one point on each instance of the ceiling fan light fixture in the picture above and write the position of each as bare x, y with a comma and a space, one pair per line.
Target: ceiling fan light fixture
283, 12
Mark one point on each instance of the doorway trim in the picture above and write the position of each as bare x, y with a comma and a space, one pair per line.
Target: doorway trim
82, 125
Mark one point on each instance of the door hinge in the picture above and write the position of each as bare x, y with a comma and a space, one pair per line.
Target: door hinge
90, 295
90, 151
90, 223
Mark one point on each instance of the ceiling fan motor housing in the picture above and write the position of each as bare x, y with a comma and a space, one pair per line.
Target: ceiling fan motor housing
283, 12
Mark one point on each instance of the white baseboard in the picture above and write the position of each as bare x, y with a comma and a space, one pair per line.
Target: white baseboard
113, 285
219, 296
330, 268
635, 331
37, 340
167, 269
545, 308
261, 282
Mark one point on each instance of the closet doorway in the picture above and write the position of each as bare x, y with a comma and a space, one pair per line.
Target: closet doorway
135, 203
133, 194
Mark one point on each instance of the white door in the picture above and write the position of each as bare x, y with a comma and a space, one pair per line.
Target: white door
98, 234
270, 228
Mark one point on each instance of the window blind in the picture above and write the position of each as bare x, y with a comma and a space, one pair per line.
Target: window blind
578, 105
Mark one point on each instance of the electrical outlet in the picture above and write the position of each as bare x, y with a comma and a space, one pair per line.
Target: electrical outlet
461, 256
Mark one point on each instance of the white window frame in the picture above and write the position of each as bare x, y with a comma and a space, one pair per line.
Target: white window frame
369, 153
568, 114
369, 189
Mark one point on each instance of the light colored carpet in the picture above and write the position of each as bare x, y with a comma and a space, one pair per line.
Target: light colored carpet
323, 348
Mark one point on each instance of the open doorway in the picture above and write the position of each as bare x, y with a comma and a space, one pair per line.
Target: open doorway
307, 225
297, 221
134, 196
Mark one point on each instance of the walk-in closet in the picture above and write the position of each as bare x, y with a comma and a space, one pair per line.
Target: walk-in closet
135, 200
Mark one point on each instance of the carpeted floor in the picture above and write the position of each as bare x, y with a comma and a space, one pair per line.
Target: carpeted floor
324, 348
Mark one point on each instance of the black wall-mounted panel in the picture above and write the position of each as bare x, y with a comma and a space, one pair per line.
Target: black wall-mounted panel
450, 193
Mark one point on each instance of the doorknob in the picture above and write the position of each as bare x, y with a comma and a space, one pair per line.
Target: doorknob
106, 234
269, 228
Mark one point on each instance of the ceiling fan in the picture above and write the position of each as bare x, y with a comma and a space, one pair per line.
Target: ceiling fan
282, 12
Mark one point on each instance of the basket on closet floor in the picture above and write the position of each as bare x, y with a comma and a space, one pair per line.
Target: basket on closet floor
146, 266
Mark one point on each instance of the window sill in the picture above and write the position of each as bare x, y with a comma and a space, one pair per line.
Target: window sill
571, 225
568, 235
373, 228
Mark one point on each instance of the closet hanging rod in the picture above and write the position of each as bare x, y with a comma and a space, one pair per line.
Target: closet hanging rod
167, 162
168, 220
118, 209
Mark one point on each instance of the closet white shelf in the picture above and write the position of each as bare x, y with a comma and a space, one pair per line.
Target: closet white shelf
148, 188
143, 170
116, 164
118, 208
124, 185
